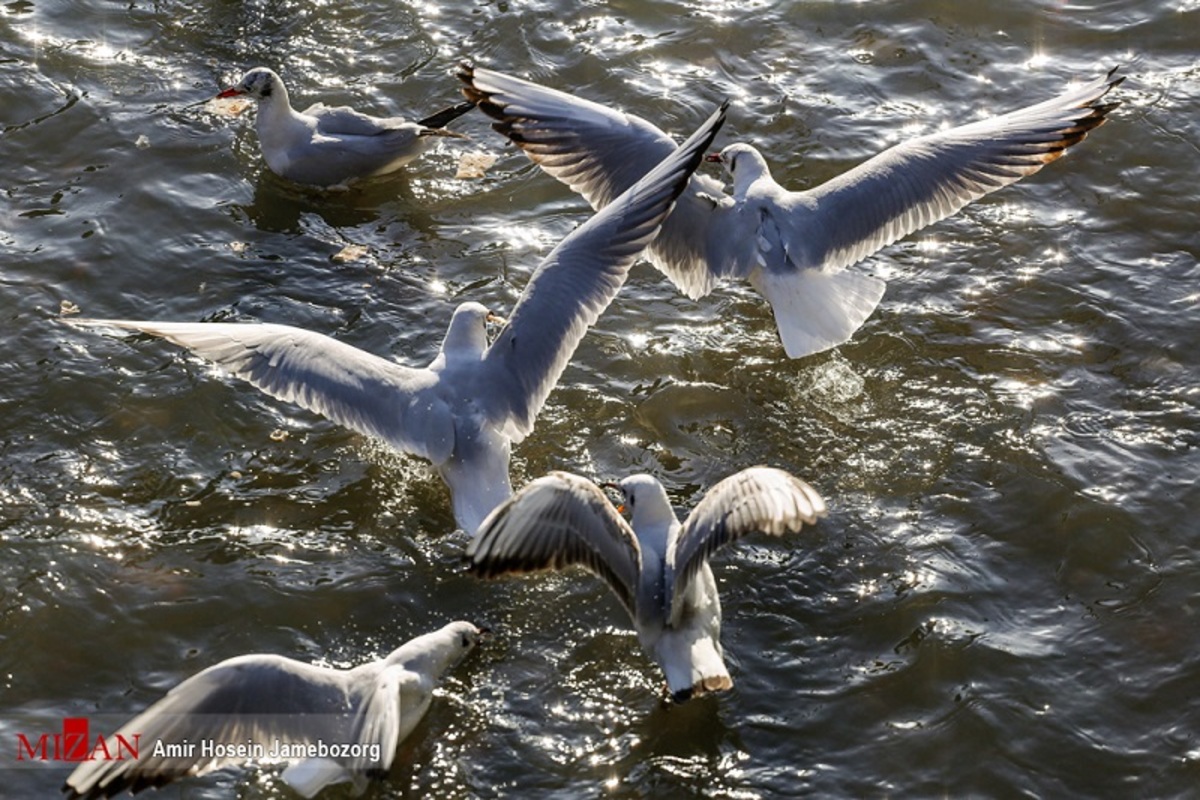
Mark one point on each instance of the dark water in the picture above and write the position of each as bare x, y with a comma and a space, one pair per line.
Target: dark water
1004, 599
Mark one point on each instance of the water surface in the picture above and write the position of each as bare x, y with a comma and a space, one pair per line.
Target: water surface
1003, 600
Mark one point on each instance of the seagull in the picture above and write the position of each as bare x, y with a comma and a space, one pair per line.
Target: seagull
657, 567
266, 704
793, 247
333, 146
465, 409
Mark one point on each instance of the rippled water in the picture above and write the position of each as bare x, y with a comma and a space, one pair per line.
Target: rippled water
1003, 600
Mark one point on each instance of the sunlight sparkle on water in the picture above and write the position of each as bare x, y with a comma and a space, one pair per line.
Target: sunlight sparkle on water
1038, 60
721, 12
928, 248
866, 589
1024, 394
910, 130
638, 339
667, 78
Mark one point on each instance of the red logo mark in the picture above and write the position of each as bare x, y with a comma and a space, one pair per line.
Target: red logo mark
75, 743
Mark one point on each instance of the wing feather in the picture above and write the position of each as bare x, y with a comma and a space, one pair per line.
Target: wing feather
254, 698
361, 391
758, 499
576, 282
557, 521
928, 178
600, 152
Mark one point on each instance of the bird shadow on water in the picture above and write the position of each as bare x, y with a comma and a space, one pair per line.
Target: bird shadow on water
678, 740
281, 206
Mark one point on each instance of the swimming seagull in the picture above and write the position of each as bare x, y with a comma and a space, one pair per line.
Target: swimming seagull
360, 715
793, 247
463, 411
657, 567
332, 146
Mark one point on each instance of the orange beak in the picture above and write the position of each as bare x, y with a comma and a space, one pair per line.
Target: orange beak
615, 487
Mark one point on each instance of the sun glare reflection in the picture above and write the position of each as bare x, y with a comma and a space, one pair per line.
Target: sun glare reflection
1038, 60
1023, 393
668, 79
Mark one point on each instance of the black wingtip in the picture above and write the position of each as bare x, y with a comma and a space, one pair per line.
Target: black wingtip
447, 115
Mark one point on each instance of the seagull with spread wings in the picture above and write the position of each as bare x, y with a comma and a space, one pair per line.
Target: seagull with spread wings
793, 247
274, 703
465, 409
657, 567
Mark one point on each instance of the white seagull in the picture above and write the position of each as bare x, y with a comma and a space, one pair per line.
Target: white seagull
657, 567
359, 715
332, 146
463, 411
793, 247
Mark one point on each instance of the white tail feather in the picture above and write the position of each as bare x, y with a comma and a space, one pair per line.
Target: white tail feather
692, 661
816, 310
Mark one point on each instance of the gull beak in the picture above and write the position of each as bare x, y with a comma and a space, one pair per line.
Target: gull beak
495, 319
714, 158
232, 91
614, 487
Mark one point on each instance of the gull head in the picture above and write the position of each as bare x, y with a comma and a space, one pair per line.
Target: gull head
259, 84
742, 161
435, 653
467, 334
647, 502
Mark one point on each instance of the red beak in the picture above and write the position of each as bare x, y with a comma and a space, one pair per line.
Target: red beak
233, 91
714, 157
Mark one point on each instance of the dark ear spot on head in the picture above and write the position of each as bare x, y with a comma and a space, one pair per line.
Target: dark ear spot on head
466, 641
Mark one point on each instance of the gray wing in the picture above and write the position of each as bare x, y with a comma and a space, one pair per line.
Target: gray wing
557, 521
756, 499
254, 698
600, 152
361, 391
931, 177
576, 282
343, 120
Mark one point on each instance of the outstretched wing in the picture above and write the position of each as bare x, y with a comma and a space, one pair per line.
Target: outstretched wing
361, 391
926, 179
600, 152
255, 699
576, 282
557, 521
756, 499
